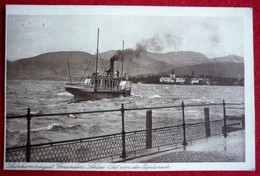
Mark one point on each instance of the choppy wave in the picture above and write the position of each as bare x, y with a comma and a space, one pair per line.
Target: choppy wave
134, 95
65, 94
52, 127
155, 96
95, 128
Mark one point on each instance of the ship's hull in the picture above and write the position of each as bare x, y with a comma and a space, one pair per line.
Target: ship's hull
82, 94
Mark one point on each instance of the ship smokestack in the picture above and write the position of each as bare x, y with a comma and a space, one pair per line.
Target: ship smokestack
112, 59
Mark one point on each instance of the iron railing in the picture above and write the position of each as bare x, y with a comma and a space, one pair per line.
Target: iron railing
117, 144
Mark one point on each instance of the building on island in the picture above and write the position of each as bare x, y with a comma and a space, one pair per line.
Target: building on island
190, 80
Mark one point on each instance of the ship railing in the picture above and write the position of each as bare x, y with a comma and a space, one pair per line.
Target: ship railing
126, 144
103, 83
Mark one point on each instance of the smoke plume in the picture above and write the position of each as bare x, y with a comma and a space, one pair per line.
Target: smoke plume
156, 44
129, 53
159, 42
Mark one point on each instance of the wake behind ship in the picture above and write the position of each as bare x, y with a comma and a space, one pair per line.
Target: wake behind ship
98, 86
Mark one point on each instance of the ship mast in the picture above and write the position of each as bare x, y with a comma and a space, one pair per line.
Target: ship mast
122, 69
96, 79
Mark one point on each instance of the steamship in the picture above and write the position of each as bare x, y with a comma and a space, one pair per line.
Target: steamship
99, 86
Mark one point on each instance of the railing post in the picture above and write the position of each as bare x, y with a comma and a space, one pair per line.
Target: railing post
123, 132
243, 121
183, 125
225, 119
28, 144
149, 129
207, 122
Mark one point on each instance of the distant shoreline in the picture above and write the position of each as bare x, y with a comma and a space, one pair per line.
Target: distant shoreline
135, 82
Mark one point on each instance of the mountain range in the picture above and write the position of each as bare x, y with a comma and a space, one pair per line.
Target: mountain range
54, 66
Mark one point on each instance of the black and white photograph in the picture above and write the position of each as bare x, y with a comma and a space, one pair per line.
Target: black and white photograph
114, 88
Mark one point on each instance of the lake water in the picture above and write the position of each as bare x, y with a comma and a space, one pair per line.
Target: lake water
51, 97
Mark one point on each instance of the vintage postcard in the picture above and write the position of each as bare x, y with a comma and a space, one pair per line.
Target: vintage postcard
125, 88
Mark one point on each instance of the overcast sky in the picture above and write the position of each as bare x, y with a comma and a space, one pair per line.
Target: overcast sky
29, 36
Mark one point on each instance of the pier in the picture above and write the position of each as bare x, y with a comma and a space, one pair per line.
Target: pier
127, 145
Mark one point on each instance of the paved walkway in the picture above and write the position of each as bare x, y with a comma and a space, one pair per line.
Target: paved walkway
213, 149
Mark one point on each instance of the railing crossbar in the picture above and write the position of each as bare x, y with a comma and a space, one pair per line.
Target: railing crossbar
117, 110
66, 141
202, 105
234, 108
235, 103
196, 123
58, 114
